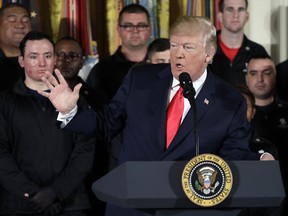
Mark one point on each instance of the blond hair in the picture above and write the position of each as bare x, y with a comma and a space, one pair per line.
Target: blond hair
196, 25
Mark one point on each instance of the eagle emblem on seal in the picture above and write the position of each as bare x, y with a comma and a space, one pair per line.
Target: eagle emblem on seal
206, 180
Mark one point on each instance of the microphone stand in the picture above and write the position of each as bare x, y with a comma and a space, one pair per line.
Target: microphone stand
190, 96
189, 93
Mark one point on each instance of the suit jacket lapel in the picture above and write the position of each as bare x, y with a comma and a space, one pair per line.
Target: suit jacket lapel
204, 102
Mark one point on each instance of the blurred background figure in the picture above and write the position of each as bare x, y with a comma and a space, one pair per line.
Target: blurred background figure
134, 30
69, 60
15, 23
158, 51
42, 168
282, 80
251, 109
258, 144
271, 117
233, 47
107, 75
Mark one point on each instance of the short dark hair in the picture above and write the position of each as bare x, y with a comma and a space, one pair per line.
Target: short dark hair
259, 56
133, 8
157, 45
221, 5
12, 5
70, 38
244, 90
33, 35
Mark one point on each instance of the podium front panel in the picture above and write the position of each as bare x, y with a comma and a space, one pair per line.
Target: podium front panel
151, 184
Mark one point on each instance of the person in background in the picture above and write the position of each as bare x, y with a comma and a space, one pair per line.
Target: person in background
142, 101
69, 61
257, 144
158, 51
107, 75
15, 23
42, 169
243, 89
234, 49
134, 30
282, 80
271, 117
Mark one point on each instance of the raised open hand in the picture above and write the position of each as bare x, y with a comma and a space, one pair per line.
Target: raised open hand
61, 96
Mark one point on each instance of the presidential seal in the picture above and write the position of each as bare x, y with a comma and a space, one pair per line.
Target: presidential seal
207, 180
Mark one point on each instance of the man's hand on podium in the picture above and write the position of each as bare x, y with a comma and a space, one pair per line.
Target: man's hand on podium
266, 156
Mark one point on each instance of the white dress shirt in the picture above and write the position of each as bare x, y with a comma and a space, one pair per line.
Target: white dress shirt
197, 84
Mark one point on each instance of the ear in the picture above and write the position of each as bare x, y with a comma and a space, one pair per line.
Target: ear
247, 16
220, 16
82, 62
246, 77
21, 61
209, 56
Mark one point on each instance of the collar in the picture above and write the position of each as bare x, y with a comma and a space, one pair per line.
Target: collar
197, 84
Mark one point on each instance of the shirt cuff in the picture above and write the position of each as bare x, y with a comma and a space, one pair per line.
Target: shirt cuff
66, 118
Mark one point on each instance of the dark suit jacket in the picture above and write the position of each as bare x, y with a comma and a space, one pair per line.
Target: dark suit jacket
281, 80
142, 102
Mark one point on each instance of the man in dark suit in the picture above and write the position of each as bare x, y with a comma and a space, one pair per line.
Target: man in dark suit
141, 102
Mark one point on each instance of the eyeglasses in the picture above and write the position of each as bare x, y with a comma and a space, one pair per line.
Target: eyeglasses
71, 56
130, 27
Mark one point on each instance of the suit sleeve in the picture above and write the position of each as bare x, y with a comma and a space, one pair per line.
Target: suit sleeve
107, 122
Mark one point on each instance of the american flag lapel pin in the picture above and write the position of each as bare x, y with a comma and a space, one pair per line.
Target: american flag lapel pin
206, 101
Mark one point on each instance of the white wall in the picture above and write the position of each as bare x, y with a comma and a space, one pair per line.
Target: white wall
268, 26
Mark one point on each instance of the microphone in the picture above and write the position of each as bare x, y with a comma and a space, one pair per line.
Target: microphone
189, 93
187, 86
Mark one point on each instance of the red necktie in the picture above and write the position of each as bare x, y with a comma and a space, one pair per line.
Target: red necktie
174, 115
